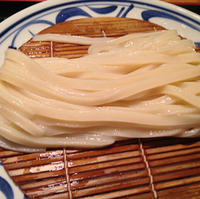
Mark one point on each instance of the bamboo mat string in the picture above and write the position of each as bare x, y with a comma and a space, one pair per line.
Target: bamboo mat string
51, 50
148, 169
103, 32
67, 173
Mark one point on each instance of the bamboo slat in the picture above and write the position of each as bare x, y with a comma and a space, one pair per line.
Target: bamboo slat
137, 168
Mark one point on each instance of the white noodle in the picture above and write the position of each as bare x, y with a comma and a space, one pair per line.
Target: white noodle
138, 85
70, 39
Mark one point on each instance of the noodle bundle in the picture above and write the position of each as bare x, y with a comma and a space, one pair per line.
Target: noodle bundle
135, 86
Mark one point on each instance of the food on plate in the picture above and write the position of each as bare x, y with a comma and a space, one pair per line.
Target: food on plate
138, 85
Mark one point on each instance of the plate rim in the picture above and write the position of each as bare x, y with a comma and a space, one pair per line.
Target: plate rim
49, 4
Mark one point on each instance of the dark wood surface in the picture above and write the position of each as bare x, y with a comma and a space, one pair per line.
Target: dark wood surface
169, 1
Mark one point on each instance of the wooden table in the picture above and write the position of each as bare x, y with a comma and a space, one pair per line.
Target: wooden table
187, 2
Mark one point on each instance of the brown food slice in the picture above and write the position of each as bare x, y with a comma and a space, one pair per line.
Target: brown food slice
137, 168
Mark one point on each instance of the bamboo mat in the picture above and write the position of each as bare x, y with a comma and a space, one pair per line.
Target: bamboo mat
112, 27
138, 168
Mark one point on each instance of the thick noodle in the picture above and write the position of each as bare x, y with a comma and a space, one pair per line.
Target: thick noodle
135, 86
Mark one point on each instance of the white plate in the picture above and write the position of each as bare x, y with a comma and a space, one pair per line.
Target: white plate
20, 27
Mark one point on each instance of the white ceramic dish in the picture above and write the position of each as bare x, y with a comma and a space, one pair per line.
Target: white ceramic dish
20, 27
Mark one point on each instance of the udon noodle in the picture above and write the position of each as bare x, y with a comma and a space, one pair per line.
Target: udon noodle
135, 86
